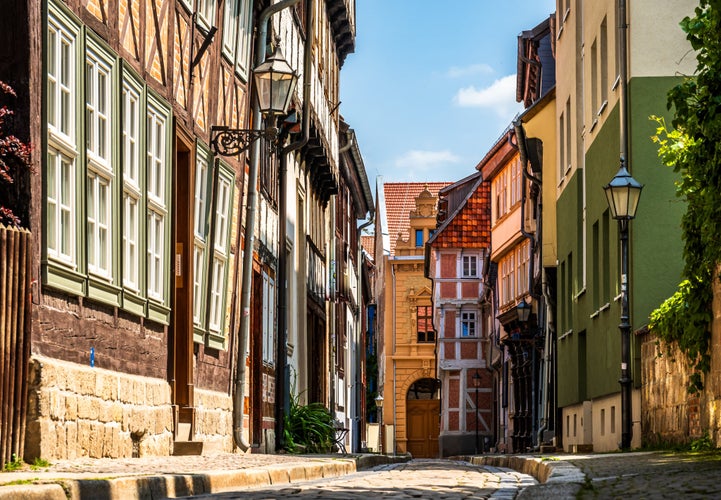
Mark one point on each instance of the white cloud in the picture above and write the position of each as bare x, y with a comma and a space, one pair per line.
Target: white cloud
417, 159
500, 96
472, 69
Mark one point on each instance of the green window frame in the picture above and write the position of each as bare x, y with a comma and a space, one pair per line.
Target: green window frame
63, 255
108, 156
100, 129
214, 200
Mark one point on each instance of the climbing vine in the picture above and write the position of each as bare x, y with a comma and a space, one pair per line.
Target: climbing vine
692, 147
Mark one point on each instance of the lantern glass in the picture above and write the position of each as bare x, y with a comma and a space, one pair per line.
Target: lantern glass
622, 195
524, 311
275, 82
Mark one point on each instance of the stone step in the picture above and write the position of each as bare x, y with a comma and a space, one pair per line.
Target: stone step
187, 448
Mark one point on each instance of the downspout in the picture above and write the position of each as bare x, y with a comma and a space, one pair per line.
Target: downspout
333, 257
359, 352
239, 385
282, 374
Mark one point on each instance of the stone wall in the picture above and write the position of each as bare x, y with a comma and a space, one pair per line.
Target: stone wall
214, 421
669, 413
78, 411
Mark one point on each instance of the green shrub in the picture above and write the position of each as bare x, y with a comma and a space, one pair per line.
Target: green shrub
308, 428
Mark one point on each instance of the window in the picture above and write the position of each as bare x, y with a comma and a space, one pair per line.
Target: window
562, 145
594, 80
568, 136
98, 80
604, 84
468, 324
514, 271
506, 188
107, 178
132, 185
211, 248
60, 183
206, 13
516, 180
470, 266
424, 320
200, 232
61, 60
157, 164
221, 251
237, 33
268, 320
63, 151
419, 237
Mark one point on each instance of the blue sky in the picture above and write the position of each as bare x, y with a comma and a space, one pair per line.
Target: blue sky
431, 84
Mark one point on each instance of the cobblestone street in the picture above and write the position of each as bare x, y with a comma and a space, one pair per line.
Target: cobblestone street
426, 479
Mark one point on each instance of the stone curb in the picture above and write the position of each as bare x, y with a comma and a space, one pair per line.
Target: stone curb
545, 471
157, 487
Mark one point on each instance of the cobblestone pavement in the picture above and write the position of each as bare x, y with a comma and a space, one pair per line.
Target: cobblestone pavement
650, 475
420, 478
637, 475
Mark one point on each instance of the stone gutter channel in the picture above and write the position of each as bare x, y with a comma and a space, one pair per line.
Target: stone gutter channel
558, 479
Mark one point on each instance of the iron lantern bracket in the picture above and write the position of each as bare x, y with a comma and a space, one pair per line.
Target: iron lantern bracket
226, 141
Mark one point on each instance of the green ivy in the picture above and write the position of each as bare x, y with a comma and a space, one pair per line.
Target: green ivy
692, 147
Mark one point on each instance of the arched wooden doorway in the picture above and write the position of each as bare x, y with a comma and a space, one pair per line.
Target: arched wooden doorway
423, 406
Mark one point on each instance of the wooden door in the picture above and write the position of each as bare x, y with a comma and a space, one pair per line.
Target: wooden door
422, 427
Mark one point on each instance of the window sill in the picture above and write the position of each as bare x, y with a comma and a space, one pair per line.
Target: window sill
581, 293
566, 334
603, 107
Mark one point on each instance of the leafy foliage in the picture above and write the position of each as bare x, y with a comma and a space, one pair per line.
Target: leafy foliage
14, 160
308, 428
693, 149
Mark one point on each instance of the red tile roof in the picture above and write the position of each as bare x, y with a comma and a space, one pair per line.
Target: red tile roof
470, 224
400, 199
368, 242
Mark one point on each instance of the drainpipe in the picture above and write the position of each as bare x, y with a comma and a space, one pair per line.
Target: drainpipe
252, 200
282, 373
359, 352
333, 257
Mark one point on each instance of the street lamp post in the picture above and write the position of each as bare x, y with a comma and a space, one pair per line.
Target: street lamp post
476, 383
379, 407
622, 194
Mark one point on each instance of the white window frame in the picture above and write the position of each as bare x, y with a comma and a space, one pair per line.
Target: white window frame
469, 267
63, 151
200, 234
469, 324
223, 201
206, 13
62, 78
230, 29
245, 38
100, 199
131, 220
157, 166
61, 194
268, 320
